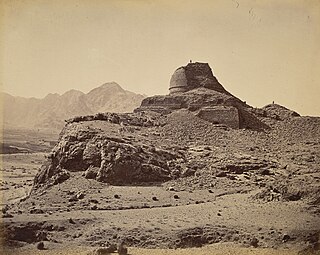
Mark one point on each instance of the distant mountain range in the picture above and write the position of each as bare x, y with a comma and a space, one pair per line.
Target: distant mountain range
51, 111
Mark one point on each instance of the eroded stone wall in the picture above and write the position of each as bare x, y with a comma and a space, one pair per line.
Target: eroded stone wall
227, 115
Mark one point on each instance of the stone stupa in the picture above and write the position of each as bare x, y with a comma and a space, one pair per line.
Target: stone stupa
194, 75
194, 87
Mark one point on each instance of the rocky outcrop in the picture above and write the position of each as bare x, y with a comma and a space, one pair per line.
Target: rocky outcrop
105, 157
279, 112
139, 120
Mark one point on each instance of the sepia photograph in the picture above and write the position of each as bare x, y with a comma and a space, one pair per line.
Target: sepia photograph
160, 127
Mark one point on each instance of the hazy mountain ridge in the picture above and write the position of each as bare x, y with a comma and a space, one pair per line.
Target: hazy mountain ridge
52, 110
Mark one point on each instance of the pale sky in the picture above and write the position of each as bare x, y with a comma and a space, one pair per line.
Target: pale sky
261, 51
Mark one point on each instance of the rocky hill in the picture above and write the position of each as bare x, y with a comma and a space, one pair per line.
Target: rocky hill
51, 111
195, 167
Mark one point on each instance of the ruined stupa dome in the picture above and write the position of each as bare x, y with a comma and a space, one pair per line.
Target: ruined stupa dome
194, 75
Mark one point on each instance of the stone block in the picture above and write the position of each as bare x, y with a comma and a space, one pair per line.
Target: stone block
227, 115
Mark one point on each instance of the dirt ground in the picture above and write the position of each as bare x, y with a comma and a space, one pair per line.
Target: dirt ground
214, 249
100, 219
17, 174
